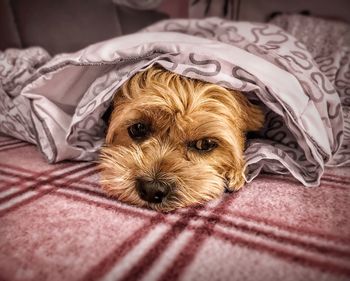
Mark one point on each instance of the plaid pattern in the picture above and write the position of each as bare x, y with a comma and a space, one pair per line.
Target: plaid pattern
56, 224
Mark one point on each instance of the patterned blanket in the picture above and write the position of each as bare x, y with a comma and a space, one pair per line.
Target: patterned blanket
57, 224
299, 74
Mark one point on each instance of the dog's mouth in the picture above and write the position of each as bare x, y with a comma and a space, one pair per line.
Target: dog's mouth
166, 197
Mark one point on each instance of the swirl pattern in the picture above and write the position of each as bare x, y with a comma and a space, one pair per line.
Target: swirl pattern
299, 76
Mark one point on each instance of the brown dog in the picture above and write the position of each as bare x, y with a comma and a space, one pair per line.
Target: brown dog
173, 141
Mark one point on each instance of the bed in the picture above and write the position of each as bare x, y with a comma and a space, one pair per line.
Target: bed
57, 224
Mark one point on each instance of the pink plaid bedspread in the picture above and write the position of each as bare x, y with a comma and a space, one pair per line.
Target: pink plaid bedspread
56, 224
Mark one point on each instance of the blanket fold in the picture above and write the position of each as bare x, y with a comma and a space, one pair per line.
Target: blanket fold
303, 90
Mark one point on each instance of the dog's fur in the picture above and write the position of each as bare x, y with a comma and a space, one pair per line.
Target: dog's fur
180, 115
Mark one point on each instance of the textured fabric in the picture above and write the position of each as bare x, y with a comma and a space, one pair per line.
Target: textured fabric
57, 224
64, 100
15, 70
329, 45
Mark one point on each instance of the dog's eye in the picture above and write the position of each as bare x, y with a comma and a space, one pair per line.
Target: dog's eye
203, 145
138, 131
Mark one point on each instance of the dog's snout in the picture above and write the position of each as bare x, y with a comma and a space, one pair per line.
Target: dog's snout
152, 191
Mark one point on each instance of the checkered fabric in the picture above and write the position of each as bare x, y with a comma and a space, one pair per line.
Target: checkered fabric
57, 224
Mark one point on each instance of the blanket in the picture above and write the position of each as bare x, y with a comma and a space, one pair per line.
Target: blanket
56, 223
299, 73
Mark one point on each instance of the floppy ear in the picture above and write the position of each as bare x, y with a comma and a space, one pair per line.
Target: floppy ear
251, 114
113, 116
250, 118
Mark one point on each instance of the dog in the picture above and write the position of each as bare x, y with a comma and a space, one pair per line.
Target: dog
174, 141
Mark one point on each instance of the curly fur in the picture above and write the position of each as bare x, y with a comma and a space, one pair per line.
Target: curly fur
179, 110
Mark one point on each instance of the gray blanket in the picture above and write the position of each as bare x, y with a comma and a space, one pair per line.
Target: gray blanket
297, 68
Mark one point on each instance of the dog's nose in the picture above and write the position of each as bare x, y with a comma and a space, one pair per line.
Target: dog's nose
152, 191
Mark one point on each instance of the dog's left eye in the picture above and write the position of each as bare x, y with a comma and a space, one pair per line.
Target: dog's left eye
138, 131
203, 145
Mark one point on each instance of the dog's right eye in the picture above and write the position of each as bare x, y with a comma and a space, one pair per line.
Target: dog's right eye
138, 131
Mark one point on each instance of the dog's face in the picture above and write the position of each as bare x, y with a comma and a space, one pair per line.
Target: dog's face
174, 141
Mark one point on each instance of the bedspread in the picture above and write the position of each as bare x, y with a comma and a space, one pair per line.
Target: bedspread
57, 224
57, 103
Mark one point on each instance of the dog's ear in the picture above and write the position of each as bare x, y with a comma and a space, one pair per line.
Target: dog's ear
247, 117
112, 116
252, 116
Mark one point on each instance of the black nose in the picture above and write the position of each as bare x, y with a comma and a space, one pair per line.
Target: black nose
152, 191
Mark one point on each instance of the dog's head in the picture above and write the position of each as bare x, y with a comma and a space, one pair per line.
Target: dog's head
174, 141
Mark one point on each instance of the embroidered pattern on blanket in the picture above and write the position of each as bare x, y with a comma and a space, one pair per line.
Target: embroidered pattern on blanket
58, 104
